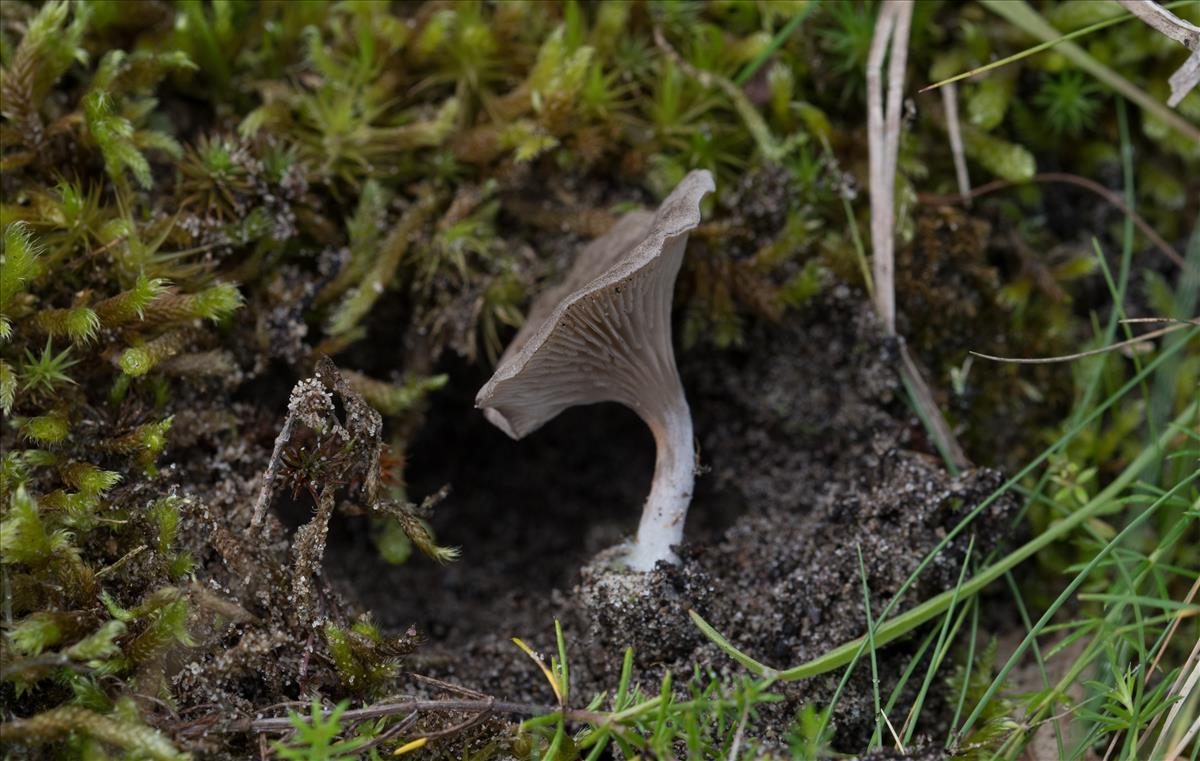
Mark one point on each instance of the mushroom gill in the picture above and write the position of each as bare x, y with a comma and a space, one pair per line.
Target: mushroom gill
604, 335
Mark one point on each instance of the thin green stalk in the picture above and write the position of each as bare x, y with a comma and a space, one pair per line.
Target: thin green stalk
776, 42
1090, 651
909, 670
1117, 292
1043, 46
1133, 599
1094, 647
1126, 259
970, 663
1070, 590
1037, 652
945, 638
862, 570
1187, 295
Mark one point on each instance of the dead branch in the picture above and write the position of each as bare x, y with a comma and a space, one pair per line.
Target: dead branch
273, 465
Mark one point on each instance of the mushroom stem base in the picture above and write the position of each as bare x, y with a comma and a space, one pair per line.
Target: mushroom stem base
674, 475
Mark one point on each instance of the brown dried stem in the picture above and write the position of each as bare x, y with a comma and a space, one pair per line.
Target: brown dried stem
1070, 179
1091, 352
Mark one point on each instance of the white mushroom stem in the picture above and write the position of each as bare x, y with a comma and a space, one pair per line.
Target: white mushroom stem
671, 492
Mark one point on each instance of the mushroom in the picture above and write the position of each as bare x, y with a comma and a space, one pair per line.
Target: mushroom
604, 335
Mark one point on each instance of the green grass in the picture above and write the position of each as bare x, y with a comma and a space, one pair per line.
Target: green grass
1118, 708
1168, 491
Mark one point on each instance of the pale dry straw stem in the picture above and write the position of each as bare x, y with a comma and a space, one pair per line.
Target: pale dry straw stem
883, 135
1191, 595
895, 737
1183, 686
923, 399
1177, 751
897, 66
882, 181
950, 104
736, 746
1184, 693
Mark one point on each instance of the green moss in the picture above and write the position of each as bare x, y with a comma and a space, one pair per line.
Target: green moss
18, 265
1009, 161
132, 736
24, 538
140, 360
89, 479
8, 387
129, 306
46, 429
79, 324
1070, 101
43, 372
988, 102
364, 658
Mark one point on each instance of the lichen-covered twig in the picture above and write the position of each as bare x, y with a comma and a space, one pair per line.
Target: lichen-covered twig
308, 549
348, 450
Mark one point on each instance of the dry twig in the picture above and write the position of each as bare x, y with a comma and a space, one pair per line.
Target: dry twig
1091, 352
1187, 76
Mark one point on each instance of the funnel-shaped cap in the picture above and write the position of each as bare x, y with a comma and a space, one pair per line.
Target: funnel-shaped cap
604, 334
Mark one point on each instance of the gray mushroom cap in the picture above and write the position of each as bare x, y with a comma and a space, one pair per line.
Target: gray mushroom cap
604, 334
